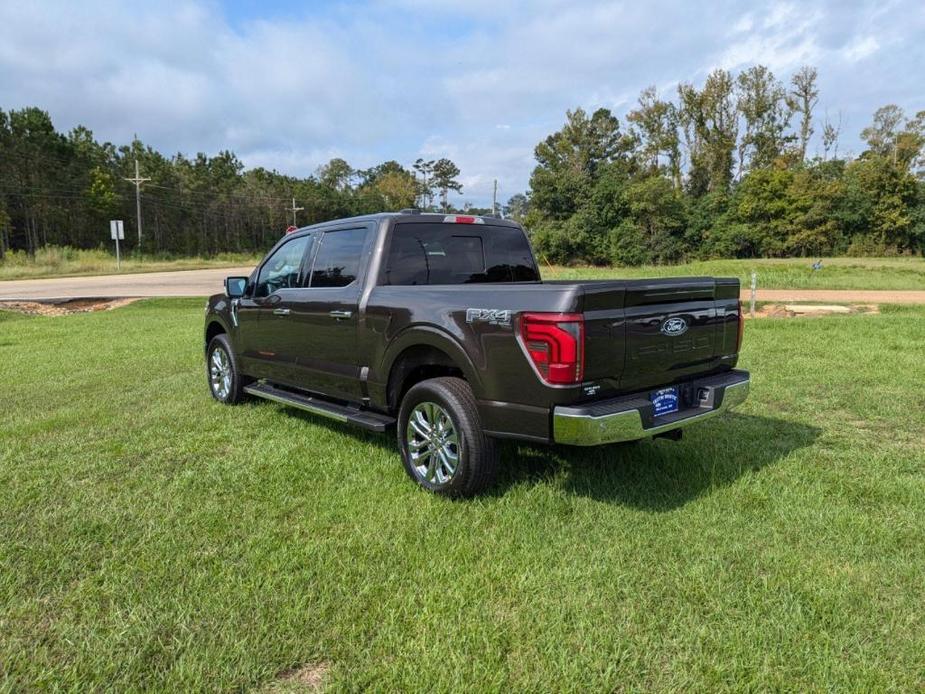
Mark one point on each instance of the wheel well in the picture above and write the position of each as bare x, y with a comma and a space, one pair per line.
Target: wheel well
214, 328
417, 364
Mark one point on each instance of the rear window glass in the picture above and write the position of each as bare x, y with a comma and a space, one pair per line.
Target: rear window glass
458, 254
338, 260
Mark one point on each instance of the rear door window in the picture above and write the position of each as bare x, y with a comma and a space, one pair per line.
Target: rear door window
337, 262
458, 254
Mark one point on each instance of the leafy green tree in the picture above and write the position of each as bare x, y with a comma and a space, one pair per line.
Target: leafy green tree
336, 174
653, 229
803, 97
881, 135
444, 178
656, 129
813, 229
568, 161
707, 221
880, 206
425, 183
762, 201
4, 231
397, 188
763, 104
571, 163
517, 208
709, 120
910, 143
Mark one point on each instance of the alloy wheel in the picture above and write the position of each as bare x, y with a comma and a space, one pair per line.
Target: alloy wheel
433, 444
220, 373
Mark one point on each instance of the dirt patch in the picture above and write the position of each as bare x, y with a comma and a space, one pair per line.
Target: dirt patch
64, 307
308, 677
809, 310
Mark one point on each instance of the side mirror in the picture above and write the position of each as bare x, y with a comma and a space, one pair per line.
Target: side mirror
235, 286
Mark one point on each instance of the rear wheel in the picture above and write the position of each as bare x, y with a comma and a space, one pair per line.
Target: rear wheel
225, 380
443, 446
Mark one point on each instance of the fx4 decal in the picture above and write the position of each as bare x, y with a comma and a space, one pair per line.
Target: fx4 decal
492, 316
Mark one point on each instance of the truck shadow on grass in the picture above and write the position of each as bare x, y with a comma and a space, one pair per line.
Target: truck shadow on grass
652, 475
659, 475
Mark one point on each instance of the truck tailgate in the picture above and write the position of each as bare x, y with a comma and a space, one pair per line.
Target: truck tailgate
648, 333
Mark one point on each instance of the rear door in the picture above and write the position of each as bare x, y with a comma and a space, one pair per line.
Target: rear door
323, 320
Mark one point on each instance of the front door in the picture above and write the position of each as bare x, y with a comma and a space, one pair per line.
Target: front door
265, 313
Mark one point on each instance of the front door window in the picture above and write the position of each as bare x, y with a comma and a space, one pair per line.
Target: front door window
282, 269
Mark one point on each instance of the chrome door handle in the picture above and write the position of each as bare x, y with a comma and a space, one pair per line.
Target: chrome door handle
340, 314
280, 311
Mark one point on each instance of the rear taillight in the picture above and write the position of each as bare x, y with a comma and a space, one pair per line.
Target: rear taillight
555, 343
741, 332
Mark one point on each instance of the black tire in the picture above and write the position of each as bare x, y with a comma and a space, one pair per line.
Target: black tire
477, 454
235, 390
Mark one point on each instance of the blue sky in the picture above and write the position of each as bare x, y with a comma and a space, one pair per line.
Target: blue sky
288, 85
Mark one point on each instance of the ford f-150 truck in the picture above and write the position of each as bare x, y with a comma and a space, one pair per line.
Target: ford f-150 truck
440, 326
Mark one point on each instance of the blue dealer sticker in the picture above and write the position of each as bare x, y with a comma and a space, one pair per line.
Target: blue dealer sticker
665, 401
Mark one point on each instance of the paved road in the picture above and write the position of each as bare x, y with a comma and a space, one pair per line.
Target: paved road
205, 282
176, 283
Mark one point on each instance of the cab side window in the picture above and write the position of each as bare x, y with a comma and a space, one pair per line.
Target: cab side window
338, 260
281, 270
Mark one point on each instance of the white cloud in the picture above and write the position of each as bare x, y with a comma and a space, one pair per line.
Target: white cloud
786, 40
476, 80
862, 48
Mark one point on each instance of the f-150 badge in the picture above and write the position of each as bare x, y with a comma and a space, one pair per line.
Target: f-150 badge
492, 316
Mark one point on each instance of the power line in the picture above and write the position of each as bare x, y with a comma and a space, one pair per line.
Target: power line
181, 202
244, 196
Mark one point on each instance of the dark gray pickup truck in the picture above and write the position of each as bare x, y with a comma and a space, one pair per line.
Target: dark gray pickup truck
440, 325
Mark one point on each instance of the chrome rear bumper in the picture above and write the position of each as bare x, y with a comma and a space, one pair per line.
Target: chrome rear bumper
631, 418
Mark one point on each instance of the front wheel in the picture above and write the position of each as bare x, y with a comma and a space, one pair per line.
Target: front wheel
443, 446
225, 380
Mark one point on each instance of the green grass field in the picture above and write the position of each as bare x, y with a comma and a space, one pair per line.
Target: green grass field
153, 539
774, 273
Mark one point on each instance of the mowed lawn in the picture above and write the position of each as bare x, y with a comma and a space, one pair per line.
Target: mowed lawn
774, 273
153, 539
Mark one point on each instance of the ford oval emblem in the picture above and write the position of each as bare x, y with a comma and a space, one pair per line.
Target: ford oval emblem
674, 327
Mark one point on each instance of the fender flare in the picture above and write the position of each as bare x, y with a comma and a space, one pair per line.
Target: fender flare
430, 336
216, 317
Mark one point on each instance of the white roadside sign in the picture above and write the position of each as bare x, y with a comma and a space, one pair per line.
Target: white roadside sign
117, 233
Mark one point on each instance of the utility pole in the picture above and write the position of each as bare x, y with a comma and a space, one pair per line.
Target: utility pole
295, 209
138, 180
494, 200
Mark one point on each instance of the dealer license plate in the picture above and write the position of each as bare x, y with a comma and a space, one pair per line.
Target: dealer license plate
665, 401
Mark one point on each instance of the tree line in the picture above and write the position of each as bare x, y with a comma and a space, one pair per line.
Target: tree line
724, 170
63, 188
